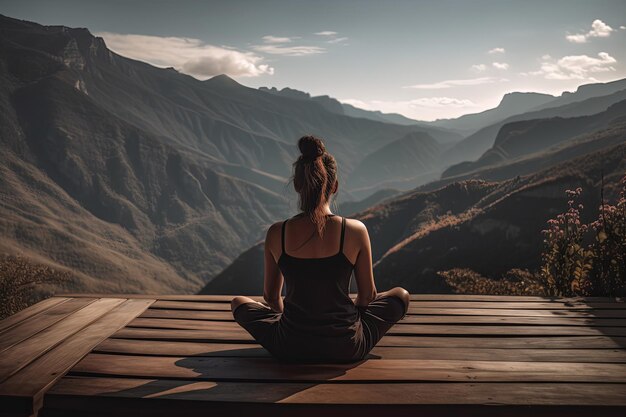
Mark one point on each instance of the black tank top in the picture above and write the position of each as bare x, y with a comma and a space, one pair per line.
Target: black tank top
317, 300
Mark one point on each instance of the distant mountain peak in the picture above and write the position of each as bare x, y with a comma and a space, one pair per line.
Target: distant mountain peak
515, 96
287, 92
223, 80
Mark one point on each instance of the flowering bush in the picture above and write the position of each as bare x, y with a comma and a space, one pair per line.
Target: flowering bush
571, 267
609, 248
566, 261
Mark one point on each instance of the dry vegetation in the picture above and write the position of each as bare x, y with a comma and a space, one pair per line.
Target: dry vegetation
23, 283
514, 282
587, 259
578, 258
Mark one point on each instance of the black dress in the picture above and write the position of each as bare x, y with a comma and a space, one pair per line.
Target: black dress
320, 323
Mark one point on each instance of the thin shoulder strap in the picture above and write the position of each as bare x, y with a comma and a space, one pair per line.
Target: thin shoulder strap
282, 240
343, 232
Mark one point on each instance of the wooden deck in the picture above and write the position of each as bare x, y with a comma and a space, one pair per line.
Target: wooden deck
131, 355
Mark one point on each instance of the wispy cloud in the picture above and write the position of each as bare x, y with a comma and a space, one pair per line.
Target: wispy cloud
599, 29
276, 39
575, 67
287, 50
332, 35
478, 67
326, 33
337, 40
277, 45
456, 83
500, 65
188, 55
496, 51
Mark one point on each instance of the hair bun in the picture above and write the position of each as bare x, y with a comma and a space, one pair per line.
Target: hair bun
311, 147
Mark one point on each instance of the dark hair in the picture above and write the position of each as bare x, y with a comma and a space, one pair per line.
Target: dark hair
315, 172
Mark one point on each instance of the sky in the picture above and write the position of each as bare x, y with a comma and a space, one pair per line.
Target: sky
423, 59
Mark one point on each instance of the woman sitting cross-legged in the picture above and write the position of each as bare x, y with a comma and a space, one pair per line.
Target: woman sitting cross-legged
314, 253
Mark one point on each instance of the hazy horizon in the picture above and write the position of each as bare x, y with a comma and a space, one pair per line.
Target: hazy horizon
425, 60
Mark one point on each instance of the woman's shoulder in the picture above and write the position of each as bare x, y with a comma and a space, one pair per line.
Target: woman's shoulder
275, 227
355, 224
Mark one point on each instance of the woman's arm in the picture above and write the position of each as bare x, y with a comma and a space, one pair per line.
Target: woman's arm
273, 280
363, 272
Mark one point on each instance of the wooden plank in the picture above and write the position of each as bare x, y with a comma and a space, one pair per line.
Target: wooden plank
522, 305
217, 306
424, 313
414, 370
30, 311
546, 331
21, 354
74, 392
502, 355
235, 336
415, 319
28, 385
517, 312
167, 348
39, 322
408, 329
557, 342
414, 297
192, 305
515, 320
164, 348
187, 314
228, 336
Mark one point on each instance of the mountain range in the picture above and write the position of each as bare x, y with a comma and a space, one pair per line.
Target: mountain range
488, 226
520, 138
143, 179
169, 177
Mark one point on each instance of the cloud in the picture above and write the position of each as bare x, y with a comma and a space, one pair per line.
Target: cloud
496, 51
437, 102
456, 83
478, 67
500, 65
441, 102
302, 50
337, 40
577, 38
188, 55
276, 39
599, 29
575, 67
622, 27
332, 35
275, 45
425, 108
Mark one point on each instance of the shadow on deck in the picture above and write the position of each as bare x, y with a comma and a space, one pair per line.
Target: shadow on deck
97, 355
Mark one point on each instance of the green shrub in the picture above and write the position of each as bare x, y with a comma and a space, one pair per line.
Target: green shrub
570, 267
